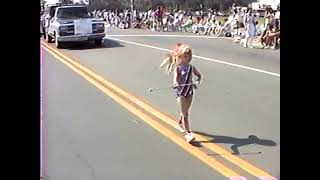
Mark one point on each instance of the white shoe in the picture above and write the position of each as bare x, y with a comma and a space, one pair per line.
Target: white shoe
189, 137
180, 128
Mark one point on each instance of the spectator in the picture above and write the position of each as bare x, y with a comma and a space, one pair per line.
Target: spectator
241, 16
207, 25
197, 27
149, 13
165, 23
241, 34
250, 29
170, 21
277, 15
187, 24
212, 26
235, 26
218, 28
138, 22
181, 17
159, 17
269, 40
225, 28
176, 15
209, 14
259, 29
266, 21
175, 24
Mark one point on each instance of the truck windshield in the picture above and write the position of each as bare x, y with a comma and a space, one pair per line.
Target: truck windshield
73, 13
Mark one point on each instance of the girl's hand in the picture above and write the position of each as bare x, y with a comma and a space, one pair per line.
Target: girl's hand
174, 86
195, 86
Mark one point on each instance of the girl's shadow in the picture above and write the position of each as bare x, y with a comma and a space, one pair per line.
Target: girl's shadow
237, 142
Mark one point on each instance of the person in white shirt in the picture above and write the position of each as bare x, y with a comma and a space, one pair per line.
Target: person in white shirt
266, 21
176, 15
209, 14
149, 13
241, 16
236, 15
165, 23
230, 18
277, 15
47, 20
234, 27
181, 17
175, 24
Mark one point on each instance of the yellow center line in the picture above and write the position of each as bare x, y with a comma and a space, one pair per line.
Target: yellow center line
213, 163
169, 120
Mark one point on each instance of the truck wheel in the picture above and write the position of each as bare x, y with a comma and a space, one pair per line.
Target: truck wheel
49, 38
58, 43
98, 42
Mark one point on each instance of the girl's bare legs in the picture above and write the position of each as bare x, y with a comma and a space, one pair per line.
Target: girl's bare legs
180, 126
185, 103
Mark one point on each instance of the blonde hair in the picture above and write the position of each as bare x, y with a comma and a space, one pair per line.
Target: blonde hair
171, 61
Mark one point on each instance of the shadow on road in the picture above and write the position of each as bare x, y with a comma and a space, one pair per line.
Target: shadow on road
90, 45
236, 142
196, 144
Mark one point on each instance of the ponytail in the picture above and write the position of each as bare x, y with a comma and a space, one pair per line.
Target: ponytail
169, 63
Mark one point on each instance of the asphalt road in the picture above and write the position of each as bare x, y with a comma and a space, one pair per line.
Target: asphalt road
90, 136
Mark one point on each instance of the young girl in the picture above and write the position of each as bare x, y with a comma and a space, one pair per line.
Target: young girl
179, 63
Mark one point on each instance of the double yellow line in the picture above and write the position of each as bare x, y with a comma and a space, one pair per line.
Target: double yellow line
145, 111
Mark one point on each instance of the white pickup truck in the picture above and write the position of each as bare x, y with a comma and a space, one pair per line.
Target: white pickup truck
73, 23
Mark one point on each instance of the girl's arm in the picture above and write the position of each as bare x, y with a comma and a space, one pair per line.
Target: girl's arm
197, 73
175, 76
267, 34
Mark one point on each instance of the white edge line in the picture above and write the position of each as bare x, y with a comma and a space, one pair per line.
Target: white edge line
200, 57
166, 35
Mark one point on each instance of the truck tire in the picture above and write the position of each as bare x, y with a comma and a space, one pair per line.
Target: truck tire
98, 42
58, 43
49, 38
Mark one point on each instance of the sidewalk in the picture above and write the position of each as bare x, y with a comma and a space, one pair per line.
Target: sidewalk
256, 42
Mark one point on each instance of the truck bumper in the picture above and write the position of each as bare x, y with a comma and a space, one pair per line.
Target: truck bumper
79, 38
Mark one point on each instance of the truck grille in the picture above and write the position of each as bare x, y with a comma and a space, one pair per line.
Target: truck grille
97, 30
69, 32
